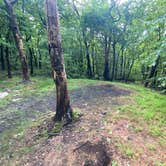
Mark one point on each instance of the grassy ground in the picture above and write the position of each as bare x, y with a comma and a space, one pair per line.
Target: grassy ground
144, 112
150, 106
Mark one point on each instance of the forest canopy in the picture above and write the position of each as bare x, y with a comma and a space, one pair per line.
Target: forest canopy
101, 39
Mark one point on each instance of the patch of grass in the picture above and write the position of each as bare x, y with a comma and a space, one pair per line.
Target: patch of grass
159, 163
114, 163
76, 114
57, 127
151, 147
162, 142
138, 129
149, 105
79, 83
129, 152
125, 148
155, 130
9, 138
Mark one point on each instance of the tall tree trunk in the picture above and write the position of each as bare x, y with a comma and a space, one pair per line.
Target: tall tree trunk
8, 62
31, 60
116, 67
121, 64
89, 68
2, 58
35, 58
17, 37
40, 59
106, 73
130, 65
40, 55
63, 108
113, 62
93, 60
124, 68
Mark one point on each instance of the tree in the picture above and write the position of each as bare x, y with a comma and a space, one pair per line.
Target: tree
17, 36
63, 108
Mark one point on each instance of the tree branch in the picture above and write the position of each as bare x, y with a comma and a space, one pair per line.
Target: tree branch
13, 1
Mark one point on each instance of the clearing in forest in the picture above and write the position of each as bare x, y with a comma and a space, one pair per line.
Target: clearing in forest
114, 124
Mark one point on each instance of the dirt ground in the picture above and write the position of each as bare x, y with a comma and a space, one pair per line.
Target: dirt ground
96, 138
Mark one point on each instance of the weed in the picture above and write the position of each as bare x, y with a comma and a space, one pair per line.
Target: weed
114, 163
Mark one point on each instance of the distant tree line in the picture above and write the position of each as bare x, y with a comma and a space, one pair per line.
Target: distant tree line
101, 39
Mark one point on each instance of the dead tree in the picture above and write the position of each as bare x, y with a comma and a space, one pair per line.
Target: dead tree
63, 108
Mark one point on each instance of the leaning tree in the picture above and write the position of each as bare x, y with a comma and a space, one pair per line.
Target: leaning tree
17, 36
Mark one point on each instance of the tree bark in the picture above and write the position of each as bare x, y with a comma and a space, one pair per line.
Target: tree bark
89, 68
130, 65
2, 58
106, 73
63, 108
40, 59
8, 62
93, 60
113, 62
31, 60
18, 39
121, 64
40, 56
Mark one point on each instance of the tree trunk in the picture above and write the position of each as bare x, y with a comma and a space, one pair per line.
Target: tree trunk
63, 108
116, 66
40, 56
34, 53
40, 59
18, 39
106, 73
124, 68
2, 58
89, 68
31, 60
113, 62
93, 60
121, 64
8, 62
129, 70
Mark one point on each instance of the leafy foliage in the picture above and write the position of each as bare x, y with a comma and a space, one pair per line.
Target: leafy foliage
136, 32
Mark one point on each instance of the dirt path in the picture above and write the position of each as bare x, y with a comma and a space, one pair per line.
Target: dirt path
96, 139
29, 108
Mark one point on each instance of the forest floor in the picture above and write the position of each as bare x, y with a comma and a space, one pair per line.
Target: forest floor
114, 124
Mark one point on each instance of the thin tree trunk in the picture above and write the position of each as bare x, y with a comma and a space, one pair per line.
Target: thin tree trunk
2, 58
35, 58
106, 73
121, 64
40, 55
124, 67
40, 59
8, 62
93, 60
18, 39
89, 68
63, 108
116, 66
129, 71
31, 60
113, 62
